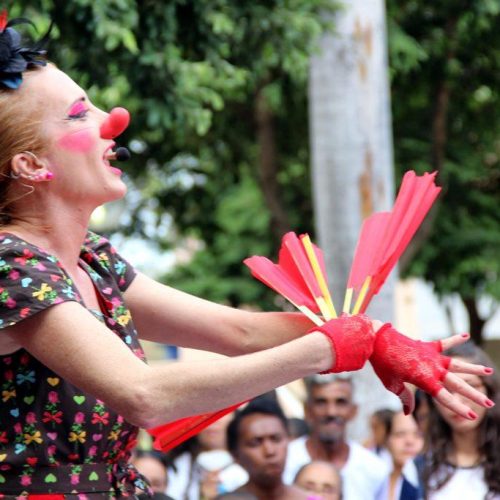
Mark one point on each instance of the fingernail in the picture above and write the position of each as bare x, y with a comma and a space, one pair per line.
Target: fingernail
489, 371
465, 335
489, 403
472, 415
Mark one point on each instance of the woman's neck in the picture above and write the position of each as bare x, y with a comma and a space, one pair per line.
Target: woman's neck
60, 233
465, 449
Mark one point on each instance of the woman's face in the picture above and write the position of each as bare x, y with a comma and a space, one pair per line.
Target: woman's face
75, 153
456, 422
405, 440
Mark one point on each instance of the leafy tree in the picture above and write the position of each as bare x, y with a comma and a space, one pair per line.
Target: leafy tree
446, 92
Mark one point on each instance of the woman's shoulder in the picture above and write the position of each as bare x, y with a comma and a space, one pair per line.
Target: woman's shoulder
15, 251
31, 280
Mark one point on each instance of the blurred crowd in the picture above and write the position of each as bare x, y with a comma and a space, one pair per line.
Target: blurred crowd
257, 453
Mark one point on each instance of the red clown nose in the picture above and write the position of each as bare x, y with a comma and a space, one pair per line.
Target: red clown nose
115, 123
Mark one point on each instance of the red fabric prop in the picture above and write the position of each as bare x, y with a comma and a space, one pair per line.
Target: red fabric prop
115, 124
415, 198
274, 276
385, 235
352, 339
293, 260
170, 435
397, 359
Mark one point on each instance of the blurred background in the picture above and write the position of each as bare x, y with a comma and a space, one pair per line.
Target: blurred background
250, 119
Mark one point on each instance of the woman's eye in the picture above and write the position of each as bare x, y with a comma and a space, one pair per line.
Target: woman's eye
77, 111
76, 116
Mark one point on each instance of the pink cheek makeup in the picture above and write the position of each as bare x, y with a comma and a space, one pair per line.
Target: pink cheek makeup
81, 141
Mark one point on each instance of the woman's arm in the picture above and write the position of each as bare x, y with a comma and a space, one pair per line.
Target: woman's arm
163, 314
75, 345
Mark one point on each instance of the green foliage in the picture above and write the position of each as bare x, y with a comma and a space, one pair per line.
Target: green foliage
452, 48
216, 271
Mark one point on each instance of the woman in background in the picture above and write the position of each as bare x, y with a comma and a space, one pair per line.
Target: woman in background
404, 441
463, 456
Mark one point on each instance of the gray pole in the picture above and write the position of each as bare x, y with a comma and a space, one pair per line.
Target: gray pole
352, 159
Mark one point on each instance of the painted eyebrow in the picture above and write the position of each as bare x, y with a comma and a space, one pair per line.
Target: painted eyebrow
76, 101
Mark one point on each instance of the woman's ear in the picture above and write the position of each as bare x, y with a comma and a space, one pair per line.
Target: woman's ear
28, 166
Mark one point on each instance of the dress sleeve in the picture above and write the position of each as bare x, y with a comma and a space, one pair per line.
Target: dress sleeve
98, 250
30, 281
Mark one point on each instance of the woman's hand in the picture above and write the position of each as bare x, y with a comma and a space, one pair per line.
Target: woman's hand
398, 359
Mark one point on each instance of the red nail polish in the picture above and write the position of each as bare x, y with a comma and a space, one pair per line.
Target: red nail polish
489, 403
465, 335
472, 415
489, 371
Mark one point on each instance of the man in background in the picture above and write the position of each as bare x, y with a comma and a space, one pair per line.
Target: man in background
258, 438
329, 407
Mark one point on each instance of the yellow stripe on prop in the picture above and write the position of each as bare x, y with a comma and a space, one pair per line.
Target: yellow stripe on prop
323, 307
313, 260
313, 317
347, 300
362, 295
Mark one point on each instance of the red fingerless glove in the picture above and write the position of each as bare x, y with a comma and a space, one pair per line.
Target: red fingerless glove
397, 359
352, 340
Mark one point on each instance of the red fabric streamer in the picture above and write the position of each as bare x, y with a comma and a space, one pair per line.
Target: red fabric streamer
170, 435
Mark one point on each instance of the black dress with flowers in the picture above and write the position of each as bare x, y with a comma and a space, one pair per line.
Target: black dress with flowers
54, 437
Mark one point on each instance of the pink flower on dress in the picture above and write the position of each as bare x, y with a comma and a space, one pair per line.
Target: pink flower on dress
79, 418
10, 303
25, 480
30, 418
116, 301
18, 428
92, 451
14, 274
51, 450
53, 397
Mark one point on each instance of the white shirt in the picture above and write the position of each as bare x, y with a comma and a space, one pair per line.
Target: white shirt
466, 482
363, 474
181, 488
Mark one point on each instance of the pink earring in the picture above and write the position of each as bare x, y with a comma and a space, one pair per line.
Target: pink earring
46, 176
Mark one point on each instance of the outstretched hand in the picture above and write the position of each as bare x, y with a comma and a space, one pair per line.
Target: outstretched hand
398, 359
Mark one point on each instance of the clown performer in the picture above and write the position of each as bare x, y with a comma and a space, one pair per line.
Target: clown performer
75, 387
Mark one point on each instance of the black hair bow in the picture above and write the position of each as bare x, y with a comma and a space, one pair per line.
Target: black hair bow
14, 58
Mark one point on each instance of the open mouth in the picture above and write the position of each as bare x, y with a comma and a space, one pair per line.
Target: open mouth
109, 154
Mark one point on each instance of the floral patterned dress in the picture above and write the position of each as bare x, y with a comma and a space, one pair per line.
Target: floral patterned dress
54, 437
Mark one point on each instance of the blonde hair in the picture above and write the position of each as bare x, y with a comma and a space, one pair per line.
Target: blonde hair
20, 130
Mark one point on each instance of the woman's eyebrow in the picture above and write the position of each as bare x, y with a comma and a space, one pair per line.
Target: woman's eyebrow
80, 99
